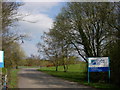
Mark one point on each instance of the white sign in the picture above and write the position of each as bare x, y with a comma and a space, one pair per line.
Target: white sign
98, 62
1, 59
1, 56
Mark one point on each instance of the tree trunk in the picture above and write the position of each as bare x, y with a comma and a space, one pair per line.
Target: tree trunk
16, 67
56, 68
65, 69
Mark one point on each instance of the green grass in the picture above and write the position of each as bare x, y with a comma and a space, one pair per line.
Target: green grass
13, 78
77, 73
71, 68
0, 70
0, 73
4, 71
28, 67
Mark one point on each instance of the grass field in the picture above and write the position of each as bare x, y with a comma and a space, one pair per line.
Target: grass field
76, 72
28, 66
71, 68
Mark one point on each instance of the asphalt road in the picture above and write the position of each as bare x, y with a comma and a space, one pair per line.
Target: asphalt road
31, 78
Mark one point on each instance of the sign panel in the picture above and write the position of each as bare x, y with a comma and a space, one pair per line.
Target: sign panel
98, 64
1, 59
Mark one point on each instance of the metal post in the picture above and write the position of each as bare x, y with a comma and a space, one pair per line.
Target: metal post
88, 73
109, 75
109, 69
88, 77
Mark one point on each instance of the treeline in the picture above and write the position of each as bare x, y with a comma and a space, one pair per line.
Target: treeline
11, 40
34, 61
90, 29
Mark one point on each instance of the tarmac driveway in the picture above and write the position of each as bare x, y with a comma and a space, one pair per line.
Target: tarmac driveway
31, 78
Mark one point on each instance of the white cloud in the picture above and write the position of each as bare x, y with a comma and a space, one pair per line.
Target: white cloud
37, 7
37, 23
30, 48
44, 0
63, 0
36, 0
34, 24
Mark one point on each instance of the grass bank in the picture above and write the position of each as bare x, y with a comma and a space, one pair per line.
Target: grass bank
76, 73
12, 78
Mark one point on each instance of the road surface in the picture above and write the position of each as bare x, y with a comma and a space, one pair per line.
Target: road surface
31, 78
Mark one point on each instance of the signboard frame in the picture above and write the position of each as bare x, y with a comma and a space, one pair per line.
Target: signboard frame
97, 70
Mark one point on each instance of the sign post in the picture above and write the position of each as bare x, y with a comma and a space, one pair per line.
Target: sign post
1, 59
109, 69
98, 64
88, 74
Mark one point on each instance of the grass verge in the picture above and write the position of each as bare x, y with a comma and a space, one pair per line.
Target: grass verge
13, 79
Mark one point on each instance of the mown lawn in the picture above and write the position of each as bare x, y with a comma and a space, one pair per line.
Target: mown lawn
28, 66
71, 68
77, 73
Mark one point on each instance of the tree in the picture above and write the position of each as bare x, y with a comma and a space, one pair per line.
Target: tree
83, 26
9, 38
17, 54
56, 51
50, 50
88, 27
112, 49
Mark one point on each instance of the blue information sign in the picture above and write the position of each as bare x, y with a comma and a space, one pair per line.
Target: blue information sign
98, 64
1, 65
1, 59
98, 69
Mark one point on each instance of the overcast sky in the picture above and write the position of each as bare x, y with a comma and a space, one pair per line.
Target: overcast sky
40, 18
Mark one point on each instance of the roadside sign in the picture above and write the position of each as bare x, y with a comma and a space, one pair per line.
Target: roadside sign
1, 59
98, 64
